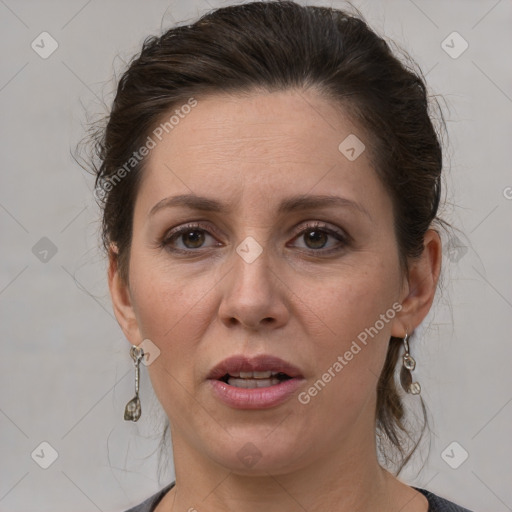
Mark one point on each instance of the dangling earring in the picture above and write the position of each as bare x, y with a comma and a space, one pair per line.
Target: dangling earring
132, 410
408, 365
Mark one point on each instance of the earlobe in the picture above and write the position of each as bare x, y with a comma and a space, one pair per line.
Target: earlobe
121, 299
421, 286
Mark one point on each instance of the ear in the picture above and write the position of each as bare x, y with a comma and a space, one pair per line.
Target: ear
121, 299
420, 288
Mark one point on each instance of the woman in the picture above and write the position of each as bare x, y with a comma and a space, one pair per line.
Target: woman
270, 178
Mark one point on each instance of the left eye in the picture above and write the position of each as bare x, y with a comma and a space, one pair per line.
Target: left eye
317, 237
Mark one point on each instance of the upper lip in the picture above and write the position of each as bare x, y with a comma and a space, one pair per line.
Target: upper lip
261, 363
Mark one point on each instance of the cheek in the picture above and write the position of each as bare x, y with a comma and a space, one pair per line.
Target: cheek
173, 309
352, 299
355, 307
167, 299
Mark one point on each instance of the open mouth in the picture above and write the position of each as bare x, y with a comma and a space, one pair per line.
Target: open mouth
250, 380
258, 382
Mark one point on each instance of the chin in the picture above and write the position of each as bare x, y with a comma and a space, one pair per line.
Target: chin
258, 452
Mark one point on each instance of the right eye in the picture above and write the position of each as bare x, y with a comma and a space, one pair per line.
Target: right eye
187, 238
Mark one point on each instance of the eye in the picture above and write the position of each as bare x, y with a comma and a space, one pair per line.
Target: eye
187, 238
318, 236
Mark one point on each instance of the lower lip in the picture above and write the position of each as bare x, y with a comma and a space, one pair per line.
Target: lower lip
255, 398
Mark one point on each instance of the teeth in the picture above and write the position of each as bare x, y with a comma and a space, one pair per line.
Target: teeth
255, 375
248, 383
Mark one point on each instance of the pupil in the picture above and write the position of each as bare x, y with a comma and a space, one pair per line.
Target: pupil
196, 241
320, 237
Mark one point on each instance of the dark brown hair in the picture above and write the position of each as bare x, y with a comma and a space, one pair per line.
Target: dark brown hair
273, 46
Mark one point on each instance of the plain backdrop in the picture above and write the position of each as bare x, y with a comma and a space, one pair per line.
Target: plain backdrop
65, 369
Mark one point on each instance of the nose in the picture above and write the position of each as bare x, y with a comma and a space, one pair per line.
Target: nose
254, 296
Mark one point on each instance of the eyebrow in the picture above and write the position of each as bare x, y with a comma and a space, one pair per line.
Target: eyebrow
291, 204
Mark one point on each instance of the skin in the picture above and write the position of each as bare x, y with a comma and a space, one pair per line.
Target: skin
250, 153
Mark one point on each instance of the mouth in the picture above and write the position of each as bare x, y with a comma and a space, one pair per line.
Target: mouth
254, 383
250, 380
254, 372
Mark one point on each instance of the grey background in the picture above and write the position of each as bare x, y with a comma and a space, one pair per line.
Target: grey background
66, 372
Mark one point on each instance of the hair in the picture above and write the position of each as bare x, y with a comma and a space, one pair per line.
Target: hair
278, 46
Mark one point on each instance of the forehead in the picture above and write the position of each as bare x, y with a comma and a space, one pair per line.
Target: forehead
259, 146
261, 126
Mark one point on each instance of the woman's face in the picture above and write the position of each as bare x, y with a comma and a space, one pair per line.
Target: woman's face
258, 277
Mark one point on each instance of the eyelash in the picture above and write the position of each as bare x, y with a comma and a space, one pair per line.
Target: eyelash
198, 226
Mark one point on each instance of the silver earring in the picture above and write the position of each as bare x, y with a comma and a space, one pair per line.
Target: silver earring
132, 410
408, 365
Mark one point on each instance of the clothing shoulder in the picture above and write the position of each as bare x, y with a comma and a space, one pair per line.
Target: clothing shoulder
438, 504
149, 504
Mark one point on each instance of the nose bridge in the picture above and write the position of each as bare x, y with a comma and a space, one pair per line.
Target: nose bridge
251, 275
251, 295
